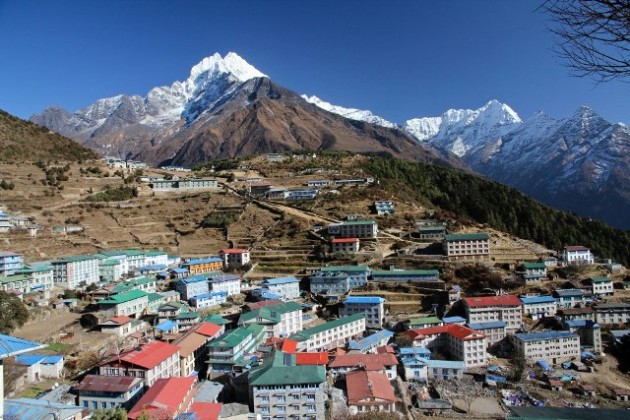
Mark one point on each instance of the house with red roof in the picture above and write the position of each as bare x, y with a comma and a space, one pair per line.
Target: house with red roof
460, 342
204, 411
345, 245
166, 399
193, 351
385, 363
369, 391
234, 257
505, 308
149, 361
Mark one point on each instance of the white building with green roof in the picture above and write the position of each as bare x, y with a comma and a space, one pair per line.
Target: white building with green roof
279, 320
280, 388
110, 270
467, 246
146, 284
29, 280
74, 272
133, 303
532, 272
339, 279
330, 334
233, 347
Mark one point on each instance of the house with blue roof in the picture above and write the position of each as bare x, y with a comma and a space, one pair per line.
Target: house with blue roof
454, 320
203, 265
179, 272
553, 346
339, 279
372, 307
421, 369
39, 366
570, 298
590, 333
167, 327
32, 408
370, 343
287, 287
208, 300
538, 307
190, 287
493, 330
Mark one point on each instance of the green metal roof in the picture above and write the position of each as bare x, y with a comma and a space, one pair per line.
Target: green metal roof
14, 277
307, 333
270, 313
109, 263
467, 237
233, 338
385, 273
425, 320
76, 258
123, 297
131, 284
357, 222
534, 266
216, 319
154, 296
187, 315
154, 253
282, 370
601, 279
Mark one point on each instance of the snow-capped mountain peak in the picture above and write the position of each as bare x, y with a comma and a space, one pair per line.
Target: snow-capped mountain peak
351, 113
231, 64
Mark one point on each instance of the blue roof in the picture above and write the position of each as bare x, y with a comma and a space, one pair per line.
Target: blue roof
281, 280
208, 295
225, 277
364, 299
537, 299
581, 323
270, 296
203, 261
545, 335
179, 270
569, 292
448, 364
453, 319
166, 325
487, 325
154, 267
370, 341
619, 333
29, 359
413, 350
51, 360
193, 279
30, 408
11, 346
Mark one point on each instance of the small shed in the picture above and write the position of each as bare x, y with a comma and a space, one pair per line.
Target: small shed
588, 389
622, 394
555, 385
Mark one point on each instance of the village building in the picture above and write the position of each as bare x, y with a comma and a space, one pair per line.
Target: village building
470, 246
133, 303
279, 320
577, 255
612, 313
29, 280
208, 300
228, 283
330, 334
318, 183
166, 399
357, 229
573, 314
424, 369
462, 343
144, 284
494, 308
150, 362
33, 408
371, 307
538, 307
10, 262
371, 343
234, 257
74, 272
176, 184
570, 298
590, 333
282, 388
193, 349
385, 363
345, 245
190, 287
369, 392
203, 265
339, 279
493, 330
187, 319
301, 194
406, 275
110, 270
121, 326
258, 189
431, 233
231, 347
423, 322
601, 286
383, 207
40, 367
98, 392
170, 310
532, 272
286, 287
552, 346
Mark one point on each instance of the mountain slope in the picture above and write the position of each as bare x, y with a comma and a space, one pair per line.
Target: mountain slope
22, 141
225, 108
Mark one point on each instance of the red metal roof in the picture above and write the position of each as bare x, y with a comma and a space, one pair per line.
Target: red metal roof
503, 300
121, 320
208, 329
368, 361
311, 358
344, 240
385, 349
164, 397
206, 411
233, 251
456, 330
150, 355
363, 387
289, 346
106, 383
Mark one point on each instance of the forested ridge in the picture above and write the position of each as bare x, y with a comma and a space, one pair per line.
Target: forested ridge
499, 206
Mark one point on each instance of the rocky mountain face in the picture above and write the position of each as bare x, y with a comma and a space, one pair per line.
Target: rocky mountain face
224, 109
580, 163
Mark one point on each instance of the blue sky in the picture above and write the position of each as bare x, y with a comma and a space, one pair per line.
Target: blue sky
400, 59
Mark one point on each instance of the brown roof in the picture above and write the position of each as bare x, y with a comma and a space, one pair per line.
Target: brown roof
106, 383
262, 304
189, 343
368, 361
362, 385
576, 311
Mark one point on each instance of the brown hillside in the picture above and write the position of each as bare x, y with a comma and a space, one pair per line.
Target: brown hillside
23, 141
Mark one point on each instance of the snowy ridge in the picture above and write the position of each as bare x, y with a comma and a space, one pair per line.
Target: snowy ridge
350, 113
